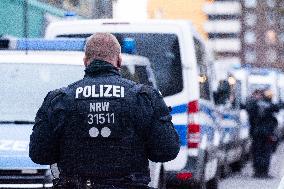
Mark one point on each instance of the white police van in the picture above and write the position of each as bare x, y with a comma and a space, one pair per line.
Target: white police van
241, 76
183, 74
260, 78
281, 86
233, 141
268, 79
281, 99
25, 79
264, 79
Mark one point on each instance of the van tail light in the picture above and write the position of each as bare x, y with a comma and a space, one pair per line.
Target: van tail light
193, 127
184, 176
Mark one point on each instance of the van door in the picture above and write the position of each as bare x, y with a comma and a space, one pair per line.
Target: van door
207, 115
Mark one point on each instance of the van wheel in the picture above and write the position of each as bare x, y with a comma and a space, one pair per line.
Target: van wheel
237, 166
200, 186
225, 171
162, 179
212, 184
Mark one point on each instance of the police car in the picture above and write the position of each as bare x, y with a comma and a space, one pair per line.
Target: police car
180, 62
25, 79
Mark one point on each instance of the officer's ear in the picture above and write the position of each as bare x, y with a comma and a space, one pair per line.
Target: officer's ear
119, 61
86, 62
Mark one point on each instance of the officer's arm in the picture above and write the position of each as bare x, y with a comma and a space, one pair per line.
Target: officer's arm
44, 140
162, 141
275, 108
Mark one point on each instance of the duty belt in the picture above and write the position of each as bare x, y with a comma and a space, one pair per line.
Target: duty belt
79, 183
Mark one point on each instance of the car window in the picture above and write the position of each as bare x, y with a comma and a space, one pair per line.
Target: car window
204, 79
253, 86
163, 52
137, 73
23, 86
32, 82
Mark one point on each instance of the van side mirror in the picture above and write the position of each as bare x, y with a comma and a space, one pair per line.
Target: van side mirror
221, 96
216, 97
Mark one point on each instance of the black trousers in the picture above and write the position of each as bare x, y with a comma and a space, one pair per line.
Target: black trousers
261, 156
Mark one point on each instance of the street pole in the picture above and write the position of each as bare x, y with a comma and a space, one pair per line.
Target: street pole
26, 21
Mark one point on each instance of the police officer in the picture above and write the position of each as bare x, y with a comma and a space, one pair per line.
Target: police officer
263, 124
102, 129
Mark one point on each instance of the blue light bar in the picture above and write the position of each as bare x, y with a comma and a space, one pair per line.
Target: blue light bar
129, 45
59, 44
259, 71
70, 14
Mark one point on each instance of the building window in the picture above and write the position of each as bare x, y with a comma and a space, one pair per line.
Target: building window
249, 37
250, 56
282, 21
271, 17
282, 54
250, 3
270, 3
271, 55
270, 37
281, 38
250, 19
74, 3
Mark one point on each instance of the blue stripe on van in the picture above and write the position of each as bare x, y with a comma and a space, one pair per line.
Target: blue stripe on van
182, 131
179, 109
209, 130
206, 109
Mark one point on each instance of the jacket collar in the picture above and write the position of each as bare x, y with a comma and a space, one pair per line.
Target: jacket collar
100, 67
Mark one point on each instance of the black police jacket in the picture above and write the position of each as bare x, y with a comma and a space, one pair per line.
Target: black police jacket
103, 126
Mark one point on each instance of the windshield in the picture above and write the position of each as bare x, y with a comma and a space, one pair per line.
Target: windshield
163, 53
24, 86
253, 86
138, 73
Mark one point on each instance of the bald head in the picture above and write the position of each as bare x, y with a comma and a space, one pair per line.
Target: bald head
103, 46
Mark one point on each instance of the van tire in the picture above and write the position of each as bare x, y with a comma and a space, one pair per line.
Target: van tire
225, 171
213, 183
237, 166
200, 186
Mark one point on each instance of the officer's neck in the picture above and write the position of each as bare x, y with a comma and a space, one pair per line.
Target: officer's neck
98, 67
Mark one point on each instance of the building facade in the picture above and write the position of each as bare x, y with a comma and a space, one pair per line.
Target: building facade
262, 33
224, 28
180, 9
85, 8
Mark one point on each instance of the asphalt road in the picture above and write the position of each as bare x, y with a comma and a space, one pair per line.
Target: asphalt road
244, 179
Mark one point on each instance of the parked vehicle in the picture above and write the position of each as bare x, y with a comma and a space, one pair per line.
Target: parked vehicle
264, 78
180, 63
228, 101
260, 78
242, 77
25, 79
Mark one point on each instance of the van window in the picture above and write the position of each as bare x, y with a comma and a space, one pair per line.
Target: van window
16, 85
137, 73
254, 86
164, 54
204, 79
